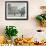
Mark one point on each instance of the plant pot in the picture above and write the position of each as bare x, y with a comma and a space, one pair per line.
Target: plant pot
13, 38
43, 23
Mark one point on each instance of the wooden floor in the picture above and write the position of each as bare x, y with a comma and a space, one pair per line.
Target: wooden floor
31, 45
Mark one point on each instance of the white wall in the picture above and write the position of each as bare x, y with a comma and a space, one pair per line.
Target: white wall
25, 27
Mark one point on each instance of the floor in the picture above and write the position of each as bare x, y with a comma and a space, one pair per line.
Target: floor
31, 45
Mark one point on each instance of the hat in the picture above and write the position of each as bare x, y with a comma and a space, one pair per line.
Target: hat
42, 7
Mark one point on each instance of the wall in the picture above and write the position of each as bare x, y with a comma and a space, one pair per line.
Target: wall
25, 27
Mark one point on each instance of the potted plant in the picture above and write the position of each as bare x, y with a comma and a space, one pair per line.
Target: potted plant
10, 31
42, 17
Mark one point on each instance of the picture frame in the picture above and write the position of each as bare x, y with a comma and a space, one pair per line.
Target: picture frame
16, 10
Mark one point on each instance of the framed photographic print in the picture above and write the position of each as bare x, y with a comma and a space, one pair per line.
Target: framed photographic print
16, 10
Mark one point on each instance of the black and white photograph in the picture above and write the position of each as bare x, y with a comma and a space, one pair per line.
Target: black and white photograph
16, 10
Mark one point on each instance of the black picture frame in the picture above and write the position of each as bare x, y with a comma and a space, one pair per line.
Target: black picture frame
6, 11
